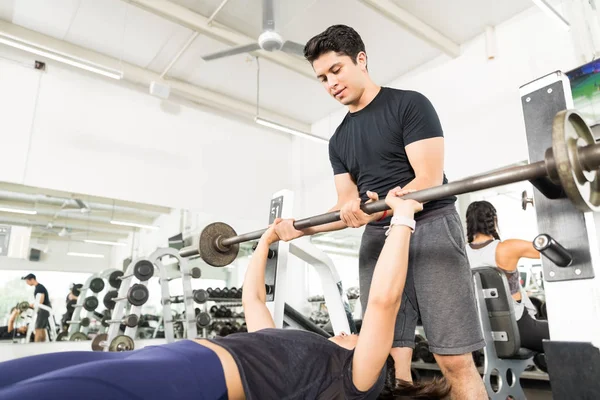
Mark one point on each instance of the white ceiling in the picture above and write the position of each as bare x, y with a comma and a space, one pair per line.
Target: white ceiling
123, 31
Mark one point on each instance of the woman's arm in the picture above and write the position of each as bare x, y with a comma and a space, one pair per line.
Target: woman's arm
509, 252
377, 332
254, 294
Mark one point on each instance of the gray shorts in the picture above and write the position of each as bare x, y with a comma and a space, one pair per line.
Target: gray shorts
41, 322
439, 286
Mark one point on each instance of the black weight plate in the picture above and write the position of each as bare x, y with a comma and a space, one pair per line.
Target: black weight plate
23, 306
85, 322
138, 294
62, 337
97, 285
108, 301
203, 320
90, 303
196, 273
131, 320
103, 321
113, 279
200, 296
143, 270
210, 253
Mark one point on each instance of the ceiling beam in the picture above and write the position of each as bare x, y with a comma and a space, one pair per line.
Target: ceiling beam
143, 77
18, 188
37, 233
61, 222
413, 24
197, 22
49, 210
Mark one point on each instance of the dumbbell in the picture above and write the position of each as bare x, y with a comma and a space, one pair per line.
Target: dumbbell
422, 350
195, 273
78, 337
143, 270
203, 319
131, 321
200, 296
418, 339
119, 343
235, 293
137, 295
114, 279
85, 322
214, 293
96, 285
89, 304
23, 306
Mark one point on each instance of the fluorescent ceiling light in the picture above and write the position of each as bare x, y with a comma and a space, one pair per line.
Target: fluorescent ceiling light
33, 48
286, 129
18, 211
125, 223
88, 255
106, 242
551, 11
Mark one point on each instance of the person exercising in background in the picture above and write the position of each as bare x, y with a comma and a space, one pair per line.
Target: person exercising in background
9, 331
391, 138
41, 322
485, 249
67, 316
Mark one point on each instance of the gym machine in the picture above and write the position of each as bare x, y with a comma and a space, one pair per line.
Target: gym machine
52, 337
568, 223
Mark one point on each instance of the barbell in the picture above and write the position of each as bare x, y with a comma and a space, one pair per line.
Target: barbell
571, 163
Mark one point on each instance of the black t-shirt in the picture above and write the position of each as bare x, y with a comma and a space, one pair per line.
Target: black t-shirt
39, 288
294, 364
370, 144
4, 333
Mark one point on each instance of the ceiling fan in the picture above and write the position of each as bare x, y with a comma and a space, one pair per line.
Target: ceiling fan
268, 40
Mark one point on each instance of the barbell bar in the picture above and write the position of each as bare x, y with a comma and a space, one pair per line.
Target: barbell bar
571, 163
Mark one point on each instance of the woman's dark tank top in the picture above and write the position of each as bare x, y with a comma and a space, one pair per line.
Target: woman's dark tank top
294, 364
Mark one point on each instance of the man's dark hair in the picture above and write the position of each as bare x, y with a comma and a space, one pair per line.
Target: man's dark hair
338, 38
28, 277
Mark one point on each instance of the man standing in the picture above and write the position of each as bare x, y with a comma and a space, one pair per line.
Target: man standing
392, 138
41, 322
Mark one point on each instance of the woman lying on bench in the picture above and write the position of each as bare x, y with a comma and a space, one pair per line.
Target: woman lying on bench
266, 363
486, 250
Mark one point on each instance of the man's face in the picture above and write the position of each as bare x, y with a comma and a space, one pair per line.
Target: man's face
30, 282
343, 79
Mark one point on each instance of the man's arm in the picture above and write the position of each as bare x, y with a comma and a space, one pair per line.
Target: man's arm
426, 158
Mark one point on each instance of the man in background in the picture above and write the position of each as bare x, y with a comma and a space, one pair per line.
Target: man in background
41, 322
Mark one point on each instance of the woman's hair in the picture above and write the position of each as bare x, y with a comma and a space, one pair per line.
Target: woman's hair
481, 218
395, 389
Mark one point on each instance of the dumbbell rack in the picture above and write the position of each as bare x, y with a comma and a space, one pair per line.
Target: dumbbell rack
90, 314
155, 260
84, 293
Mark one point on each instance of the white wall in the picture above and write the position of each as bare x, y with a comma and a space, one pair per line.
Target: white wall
54, 258
98, 136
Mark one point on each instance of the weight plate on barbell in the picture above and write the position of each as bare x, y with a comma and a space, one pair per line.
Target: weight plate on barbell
121, 343
131, 320
210, 252
90, 303
97, 285
85, 322
143, 270
108, 301
78, 337
62, 337
196, 273
570, 133
96, 343
113, 279
200, 296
